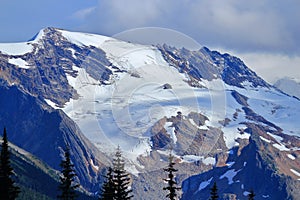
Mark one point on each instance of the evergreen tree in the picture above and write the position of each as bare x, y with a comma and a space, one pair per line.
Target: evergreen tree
171, 182
251, 195
214, 192
67, 185
121, 178
8, 190
108, 188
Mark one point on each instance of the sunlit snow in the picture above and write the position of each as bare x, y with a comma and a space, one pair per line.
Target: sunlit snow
19, 62
295, 172
20, 48
15, 48
121, 112
290, 156
264, 139
51, 103
281, 147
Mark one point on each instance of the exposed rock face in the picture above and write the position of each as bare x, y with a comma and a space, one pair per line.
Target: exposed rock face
49, 64
160, 138
35, 178
45, 132
209, 65
253, 169
190, 139
167, 86
241, 99
207, 146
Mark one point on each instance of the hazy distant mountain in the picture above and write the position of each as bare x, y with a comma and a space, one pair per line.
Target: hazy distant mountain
289, 86
224, 123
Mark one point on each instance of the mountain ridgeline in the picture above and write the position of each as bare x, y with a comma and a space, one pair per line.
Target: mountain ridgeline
224, 124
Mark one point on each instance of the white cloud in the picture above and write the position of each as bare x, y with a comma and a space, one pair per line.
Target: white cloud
264, 33
84, 13
262, 25
270, 66
133, 12
245, 26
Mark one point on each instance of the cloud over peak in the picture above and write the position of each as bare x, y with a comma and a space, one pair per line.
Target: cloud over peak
240, 25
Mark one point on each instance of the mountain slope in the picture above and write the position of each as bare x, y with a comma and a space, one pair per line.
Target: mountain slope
258, 166
44, 132
35, 179
96, 93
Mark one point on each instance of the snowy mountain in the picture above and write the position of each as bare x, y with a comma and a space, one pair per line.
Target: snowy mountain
222, 122
289, 86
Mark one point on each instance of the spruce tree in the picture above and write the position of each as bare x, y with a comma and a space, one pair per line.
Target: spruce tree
121, 178
171, 182
8, 190
108, 188
67, 180
251, 195
214, 192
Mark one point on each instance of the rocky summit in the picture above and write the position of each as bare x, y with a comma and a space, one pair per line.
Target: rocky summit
221, 121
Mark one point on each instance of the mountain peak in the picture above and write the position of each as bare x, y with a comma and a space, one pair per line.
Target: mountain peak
41, 33
206, 105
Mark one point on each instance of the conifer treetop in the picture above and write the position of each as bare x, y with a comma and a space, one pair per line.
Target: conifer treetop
67, 180
8, 189
171, 179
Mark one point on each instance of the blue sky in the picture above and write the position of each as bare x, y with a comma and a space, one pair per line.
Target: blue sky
264, 33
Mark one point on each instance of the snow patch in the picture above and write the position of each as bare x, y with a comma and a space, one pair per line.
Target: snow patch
230, 152
230, 174
192, 122
229, 164
290, 156
246, 193
295, 172
52, 104
209, 161
73, 80
264, 139
93, 165
204, 127
281, 147
19, 62
171, 131
204, 184
232, 132
73, 52
276, 137
191, 158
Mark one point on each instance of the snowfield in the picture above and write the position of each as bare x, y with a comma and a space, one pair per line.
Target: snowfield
121, 112
274, 106
20, 48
